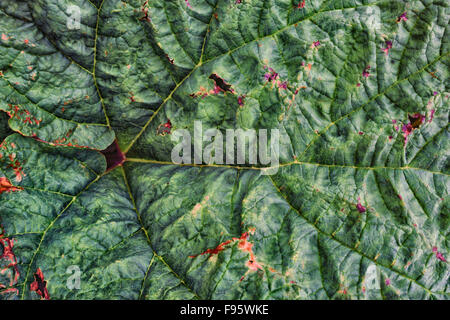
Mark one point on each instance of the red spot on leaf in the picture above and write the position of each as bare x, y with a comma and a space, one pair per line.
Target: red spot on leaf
388, 47
271, 75
415, 122
243, 245
13, 163
220, 85
402, 17
315, 44
164, 128
9, 264
366, 72
215, 250
6, 186
241, 100
40, 285
283, 85
360, 207
146, 17
300, 5
439, 255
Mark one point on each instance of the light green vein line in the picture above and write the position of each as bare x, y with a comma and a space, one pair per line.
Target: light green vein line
320, 231
280, 166
148, 237
47, 229
201, 62
382, 93
95, 64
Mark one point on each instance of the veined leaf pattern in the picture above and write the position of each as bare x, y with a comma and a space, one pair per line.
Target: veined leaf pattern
359, 206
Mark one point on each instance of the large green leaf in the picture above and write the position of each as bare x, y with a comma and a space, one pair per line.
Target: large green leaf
45, 85
359, 206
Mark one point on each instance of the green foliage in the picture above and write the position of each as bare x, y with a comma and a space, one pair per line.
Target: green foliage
359, 208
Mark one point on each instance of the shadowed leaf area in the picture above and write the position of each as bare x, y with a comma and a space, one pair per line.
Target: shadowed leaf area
92, 206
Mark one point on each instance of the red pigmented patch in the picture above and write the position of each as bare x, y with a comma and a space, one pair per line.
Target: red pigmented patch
343, 290
360, 207
402, 17
22, 114
300, 5
40, 285
241, 100
164, 128
215, 250
315, 44
13, 163
416, 121
243, 245
388, 47
271, 75
220, 85
439, 255
283, 85
8, 265
6, 186
144, 10
366, 72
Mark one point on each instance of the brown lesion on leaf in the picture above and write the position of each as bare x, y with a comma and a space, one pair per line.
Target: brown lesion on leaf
415, 121
433, 74
220, 85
